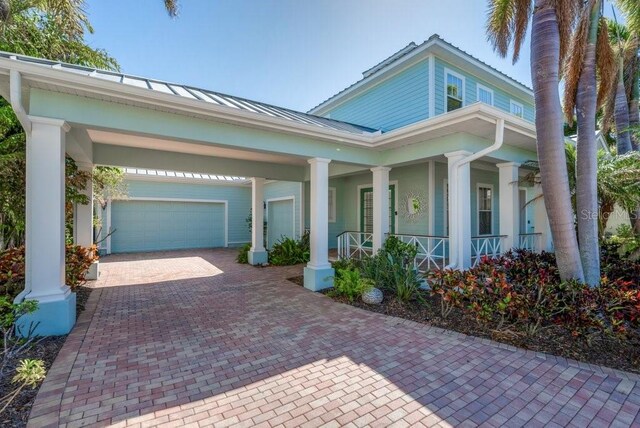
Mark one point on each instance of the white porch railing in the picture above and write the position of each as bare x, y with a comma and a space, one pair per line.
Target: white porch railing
530, 241
489, 246
433, 251
354, 245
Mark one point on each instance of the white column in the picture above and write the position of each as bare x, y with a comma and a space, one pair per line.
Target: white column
541, 221
318, 274
45, 224
380, 206
509, 204
257, 254
459, 179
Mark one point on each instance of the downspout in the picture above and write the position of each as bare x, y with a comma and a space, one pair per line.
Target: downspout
497, 144
15, 95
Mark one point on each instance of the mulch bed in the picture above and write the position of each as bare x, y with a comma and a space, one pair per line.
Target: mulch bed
47, 349
555, 340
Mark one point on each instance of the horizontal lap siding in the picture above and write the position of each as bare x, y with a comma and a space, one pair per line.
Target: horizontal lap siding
398, 101
238, 199
501, 99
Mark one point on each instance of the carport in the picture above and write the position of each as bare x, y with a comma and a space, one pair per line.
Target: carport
103, 118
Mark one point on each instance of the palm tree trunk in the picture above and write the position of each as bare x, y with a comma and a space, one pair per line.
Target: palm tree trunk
545, 66
621, 115
587, 158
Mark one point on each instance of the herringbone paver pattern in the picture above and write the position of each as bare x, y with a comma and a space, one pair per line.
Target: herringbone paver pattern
202, 341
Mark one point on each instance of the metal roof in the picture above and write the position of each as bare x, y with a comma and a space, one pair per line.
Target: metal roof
198, 94
185, 175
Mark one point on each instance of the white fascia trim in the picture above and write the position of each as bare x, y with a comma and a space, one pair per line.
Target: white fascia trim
185, 180
202, 201
405, 62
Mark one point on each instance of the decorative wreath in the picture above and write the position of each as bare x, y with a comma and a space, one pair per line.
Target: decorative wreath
413, 205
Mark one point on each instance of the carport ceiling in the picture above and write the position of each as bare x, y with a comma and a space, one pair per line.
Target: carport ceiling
138, 141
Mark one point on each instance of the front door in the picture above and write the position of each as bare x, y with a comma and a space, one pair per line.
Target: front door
366, 209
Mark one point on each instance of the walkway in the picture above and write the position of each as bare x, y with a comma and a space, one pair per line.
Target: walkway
191, 337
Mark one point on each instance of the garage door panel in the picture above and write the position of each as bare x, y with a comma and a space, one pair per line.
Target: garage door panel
159, 225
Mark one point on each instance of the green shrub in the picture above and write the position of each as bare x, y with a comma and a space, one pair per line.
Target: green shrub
288, 251
243, 254
29, 374
12, 268
391, 265
350, 284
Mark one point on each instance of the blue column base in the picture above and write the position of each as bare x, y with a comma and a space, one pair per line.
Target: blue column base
318, 279
54, 318
258, 258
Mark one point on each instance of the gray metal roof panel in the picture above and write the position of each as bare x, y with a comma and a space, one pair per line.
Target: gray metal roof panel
197, 94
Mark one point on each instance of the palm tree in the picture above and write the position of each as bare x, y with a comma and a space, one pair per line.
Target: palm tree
552, 23
590, 52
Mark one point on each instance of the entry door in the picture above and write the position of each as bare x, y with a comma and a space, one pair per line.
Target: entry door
366, 209
280, 221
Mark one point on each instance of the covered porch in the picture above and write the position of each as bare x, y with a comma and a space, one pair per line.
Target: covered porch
103, 118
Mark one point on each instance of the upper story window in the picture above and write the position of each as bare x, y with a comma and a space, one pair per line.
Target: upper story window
516, 109
485, 95
455, 90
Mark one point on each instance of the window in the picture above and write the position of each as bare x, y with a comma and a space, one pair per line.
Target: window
485, 95
485, 209
455, 91
517, 109
332, 205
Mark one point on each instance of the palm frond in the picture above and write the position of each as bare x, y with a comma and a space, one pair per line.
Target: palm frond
567, 12
631, 11
605, 63
500, 23
522, 15
575, 61
172, 7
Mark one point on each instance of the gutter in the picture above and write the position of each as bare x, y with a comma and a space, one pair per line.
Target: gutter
15, 95
497, 144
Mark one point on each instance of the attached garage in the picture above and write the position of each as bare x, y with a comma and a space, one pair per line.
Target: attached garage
154, 225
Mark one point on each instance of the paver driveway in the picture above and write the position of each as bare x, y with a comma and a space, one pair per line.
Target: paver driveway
201, 340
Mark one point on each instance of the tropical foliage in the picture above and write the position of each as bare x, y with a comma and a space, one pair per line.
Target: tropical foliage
288, 251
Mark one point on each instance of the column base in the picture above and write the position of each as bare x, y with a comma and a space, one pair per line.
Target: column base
258, 258
316, 279
52, 318
93, 272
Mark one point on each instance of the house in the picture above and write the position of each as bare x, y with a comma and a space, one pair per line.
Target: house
428, 146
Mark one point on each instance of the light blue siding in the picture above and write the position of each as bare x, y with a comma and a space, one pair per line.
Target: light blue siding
281, 224
279, 190
398, 101
156, 225
501, 99
238, 200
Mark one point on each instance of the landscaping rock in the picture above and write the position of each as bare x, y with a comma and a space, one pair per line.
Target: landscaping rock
372, 297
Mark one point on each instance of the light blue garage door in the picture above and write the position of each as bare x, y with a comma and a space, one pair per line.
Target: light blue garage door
280, 221
155, 225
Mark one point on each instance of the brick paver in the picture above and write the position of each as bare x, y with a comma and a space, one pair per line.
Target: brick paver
191, 338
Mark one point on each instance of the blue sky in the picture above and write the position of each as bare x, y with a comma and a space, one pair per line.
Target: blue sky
292, 53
